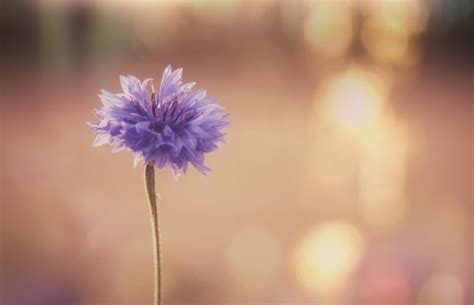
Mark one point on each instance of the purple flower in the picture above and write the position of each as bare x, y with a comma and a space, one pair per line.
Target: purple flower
173, 127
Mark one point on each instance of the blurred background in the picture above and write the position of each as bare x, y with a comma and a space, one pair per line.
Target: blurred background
346, 180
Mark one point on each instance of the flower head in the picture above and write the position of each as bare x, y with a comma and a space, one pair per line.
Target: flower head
175, 127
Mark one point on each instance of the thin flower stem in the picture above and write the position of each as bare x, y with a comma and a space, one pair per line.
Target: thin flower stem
152, 196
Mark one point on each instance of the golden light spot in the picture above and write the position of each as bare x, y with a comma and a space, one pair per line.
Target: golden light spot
389, 32
403, 17
327, 255
328, 28
353, 100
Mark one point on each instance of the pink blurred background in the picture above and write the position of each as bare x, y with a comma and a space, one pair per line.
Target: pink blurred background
346, 179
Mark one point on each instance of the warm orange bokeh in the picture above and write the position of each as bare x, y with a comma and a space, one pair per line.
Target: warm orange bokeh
346, 179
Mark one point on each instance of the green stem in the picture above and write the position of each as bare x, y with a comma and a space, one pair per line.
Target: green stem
152, 195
